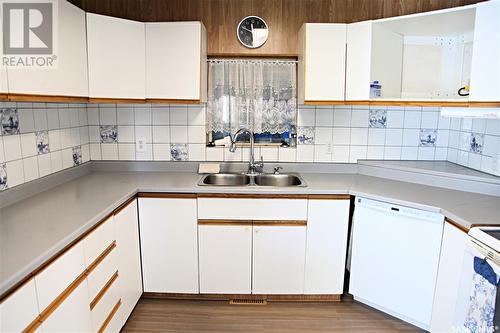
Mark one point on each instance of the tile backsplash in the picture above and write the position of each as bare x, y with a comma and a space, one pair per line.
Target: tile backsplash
37, 139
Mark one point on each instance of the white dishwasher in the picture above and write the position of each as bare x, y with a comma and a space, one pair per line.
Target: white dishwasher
394, 259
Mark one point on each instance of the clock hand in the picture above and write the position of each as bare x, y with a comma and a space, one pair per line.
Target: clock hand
246, 29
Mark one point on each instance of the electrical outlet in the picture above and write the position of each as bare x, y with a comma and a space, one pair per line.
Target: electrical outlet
140, 145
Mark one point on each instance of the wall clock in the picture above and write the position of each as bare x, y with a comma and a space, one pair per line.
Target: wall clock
252, 32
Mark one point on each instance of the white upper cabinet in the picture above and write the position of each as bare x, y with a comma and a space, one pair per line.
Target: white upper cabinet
69, 77
176, 61
116, 57
424, 56
322, 55
485, 76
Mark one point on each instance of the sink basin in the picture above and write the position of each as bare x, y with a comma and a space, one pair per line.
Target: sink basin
225, 179
280, 180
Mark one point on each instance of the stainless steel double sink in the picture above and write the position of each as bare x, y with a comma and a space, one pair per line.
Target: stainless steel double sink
264, 179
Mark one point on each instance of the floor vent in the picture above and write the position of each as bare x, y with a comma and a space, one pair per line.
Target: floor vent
248, 301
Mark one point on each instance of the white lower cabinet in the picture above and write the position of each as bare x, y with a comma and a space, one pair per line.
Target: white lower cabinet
278, 259
20, 309
225, 259
169, 244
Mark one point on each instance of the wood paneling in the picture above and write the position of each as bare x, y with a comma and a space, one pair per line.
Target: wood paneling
284, 17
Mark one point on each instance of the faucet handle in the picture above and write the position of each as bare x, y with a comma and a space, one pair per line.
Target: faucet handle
277, 170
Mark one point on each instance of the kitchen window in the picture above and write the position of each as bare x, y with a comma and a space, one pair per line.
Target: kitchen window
259, 95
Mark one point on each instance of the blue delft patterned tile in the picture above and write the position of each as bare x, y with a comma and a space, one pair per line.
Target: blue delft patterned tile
428, 137
109, 133
42, 142
3, 177
179, 151
305, 135
378, 119
9, 121
77, 155
476, 143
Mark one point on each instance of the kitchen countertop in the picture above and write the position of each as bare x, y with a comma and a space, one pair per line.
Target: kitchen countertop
36, 228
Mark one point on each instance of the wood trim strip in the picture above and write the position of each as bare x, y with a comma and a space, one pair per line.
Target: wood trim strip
124, 205
173, 101
167, 195
225, 222
101, 257
227, 297
456, 225
103, 291
329, 197
110, 316
274, 223
252, 196
46, 98
115, 100
35, 324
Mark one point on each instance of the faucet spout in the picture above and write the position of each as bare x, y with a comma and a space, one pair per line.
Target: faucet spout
252, 166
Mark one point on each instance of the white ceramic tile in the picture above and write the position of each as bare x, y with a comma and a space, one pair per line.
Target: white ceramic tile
453, 139
359, 118
15, 173
426, 153
324, 116
392, 153
142, 115
95, 151
342, 118
409, 153
40, 116
376, 136
429, 120
30, 166
455, 124
178, 115
463, 157
179, 134
125, 116
52, 118
126, 134
452, 155
375, 153
126, 151
393, 137
56, 161
196, 152
75, 136
490, 165
93, 115
161, 152
82, 116
245, 153
94, 134
323, 135
161, 115
411, 137
466, 124
359, 136
305, 153
341, 136
491, 145
464, 141
443, 137
479, 126
107, 116
269, 154
66, 141
44, 167
74, 120
474, 161
322, 153
64, 118
196, 116
109, 151
444, 123
85, 153
12, 147
357, 153
215, 153
2, 153
340, 154
146, 155
144, 133
413, 108
306, 116
440, 154
26, 120
412, 119
287, 154
236, 156
196, 134
161, 134
493, 127
67, 158
395, 118
84, 135
28, 145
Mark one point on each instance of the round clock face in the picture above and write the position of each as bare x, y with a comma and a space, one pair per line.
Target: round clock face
252, 32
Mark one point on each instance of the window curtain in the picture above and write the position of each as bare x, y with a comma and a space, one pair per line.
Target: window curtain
256, 94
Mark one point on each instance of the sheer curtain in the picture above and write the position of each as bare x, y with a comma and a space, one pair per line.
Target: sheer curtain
256, 94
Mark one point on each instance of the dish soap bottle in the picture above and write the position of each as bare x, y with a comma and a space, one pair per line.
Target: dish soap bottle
375, 89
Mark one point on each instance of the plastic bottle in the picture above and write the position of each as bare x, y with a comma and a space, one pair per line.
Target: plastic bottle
375, 89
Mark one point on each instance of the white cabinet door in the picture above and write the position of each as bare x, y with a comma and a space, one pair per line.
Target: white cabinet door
73, 315
485, 70
129, 259
175, 60
20, 309
450, 269
116, 57
69, 77
225, 259
358, 62
326, 249
322, 62
169, 245
278, 259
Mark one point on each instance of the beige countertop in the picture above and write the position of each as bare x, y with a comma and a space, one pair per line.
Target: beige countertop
36, 228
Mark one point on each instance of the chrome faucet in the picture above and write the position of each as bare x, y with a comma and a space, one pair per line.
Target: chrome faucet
253, 167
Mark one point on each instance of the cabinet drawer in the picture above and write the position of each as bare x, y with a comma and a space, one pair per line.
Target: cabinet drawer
98, 278
252, 209
98, 240
104, 307
19, 310
52, 281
